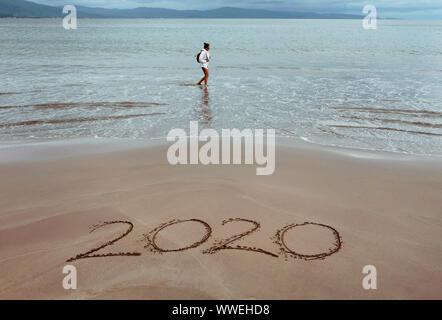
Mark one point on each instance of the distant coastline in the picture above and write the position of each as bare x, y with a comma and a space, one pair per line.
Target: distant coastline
28, 9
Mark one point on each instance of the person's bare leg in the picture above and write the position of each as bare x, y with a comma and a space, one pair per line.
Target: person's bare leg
206, 73
203, 78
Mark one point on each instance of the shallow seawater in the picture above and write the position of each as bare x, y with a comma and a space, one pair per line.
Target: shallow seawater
325, 81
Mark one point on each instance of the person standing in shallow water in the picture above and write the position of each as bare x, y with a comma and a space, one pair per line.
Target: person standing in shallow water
204, 59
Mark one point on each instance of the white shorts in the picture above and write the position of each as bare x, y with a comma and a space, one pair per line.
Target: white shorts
204, 65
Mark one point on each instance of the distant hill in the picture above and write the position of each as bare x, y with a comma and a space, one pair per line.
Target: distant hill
27, 9
20, 8
226, 12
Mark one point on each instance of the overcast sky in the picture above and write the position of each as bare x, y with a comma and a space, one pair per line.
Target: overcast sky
413, 9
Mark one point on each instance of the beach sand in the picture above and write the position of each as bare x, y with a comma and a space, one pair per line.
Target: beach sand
386, 208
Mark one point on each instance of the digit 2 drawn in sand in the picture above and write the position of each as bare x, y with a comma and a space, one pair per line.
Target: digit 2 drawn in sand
223, 244
151, 236
97, 226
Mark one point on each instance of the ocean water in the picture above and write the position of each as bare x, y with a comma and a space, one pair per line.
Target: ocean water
326, 81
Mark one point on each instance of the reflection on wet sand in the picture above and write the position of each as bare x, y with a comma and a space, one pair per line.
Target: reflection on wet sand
205, 114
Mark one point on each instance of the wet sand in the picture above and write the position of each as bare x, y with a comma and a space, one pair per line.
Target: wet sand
218, 232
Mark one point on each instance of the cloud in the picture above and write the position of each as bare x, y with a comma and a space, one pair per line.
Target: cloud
411, 9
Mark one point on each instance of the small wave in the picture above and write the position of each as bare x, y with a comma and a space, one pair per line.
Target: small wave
56, 121
123, 104
389, 129
264, 68
389, 100
328, 131
277, 128
69, 85
231, 67
414, 123
426, 113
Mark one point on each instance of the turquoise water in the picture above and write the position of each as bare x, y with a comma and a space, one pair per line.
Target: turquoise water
325, 81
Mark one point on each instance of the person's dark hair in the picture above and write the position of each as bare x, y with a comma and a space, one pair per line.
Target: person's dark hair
206, 45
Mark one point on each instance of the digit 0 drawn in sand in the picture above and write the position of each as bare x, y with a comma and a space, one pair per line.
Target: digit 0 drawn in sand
223, 244
286, 251
100, 225
151, 236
